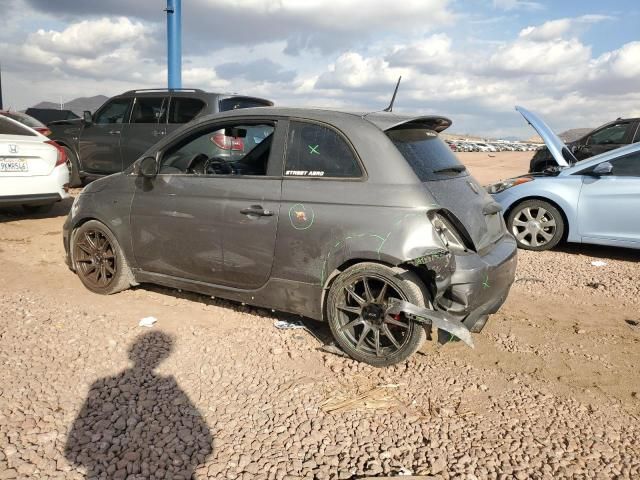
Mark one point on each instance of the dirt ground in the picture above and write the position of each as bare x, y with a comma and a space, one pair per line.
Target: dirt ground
551, 390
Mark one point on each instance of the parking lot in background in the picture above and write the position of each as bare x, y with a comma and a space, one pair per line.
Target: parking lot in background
550, 390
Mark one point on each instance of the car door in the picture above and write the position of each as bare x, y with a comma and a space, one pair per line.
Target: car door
210, 216
146, 126
99, 143
608, 138
609, 205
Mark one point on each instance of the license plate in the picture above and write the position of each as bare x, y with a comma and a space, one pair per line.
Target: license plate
13, 165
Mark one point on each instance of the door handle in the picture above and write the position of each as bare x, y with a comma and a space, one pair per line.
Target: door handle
114, 132
157, 133
256, 210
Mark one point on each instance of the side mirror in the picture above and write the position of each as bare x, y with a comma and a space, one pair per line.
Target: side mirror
87, 118
147, 167
604, 168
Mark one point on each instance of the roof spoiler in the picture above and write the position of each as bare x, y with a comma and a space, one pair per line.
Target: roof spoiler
388, 121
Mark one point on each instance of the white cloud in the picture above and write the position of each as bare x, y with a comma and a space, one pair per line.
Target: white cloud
554, 29
550, 57
91, 37
517, 5
433, 52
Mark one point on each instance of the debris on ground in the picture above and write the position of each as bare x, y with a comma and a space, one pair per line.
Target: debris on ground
289, 324
378, 398
599, 263
147, 322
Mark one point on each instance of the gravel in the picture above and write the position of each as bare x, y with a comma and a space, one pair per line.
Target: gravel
214, 390
93, 394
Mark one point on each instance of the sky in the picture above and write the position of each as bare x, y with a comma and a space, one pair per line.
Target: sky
575, 62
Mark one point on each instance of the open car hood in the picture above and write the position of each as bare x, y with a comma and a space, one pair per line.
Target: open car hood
557, 147
387, 121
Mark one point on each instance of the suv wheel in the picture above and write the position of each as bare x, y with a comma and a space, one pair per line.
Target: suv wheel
99, 260
74, 168
536, 224
356, 307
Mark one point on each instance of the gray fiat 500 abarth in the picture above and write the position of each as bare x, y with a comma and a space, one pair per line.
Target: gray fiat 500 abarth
367, 221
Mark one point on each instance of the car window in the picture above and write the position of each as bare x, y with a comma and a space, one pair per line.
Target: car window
628, 166
235, 149
429, 157
610, 135
319, 151
147, 110
234, 103
7, 127
114, 111
184, 109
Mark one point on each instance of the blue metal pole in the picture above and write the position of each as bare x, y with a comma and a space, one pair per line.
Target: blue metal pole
174, 43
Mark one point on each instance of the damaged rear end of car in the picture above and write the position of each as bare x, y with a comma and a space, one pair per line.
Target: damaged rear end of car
470, 262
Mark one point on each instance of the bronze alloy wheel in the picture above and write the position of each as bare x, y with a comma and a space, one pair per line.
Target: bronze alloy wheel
95, 258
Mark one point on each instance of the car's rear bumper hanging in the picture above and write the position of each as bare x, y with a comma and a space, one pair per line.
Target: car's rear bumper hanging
438, 319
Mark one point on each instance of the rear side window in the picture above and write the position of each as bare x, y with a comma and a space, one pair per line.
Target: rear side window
147, 110
429, 157
234, 103
183, 110
7, 127
318, 151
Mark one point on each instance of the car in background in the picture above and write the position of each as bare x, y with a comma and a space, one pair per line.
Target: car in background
33, 170
611, 135
369, 222
126, 125
27, 120
596, 200
48, 115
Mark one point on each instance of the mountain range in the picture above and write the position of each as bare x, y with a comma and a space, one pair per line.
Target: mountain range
77, 105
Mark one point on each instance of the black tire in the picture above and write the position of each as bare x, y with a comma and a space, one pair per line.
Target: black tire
346, 314
38, 208
536, 224
74, 168
98, 259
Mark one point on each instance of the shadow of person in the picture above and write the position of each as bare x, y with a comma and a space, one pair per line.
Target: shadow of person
138, 424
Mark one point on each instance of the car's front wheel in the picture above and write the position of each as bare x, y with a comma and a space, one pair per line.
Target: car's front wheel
536, 224
99, 260
356, 311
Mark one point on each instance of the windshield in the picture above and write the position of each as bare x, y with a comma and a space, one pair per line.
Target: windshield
25, 119
429, 157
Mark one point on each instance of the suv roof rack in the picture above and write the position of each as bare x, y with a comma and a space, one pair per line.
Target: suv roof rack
195, 90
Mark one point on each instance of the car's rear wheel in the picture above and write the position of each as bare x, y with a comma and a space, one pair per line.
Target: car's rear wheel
356, 306
536, 224
99, 260
74, 168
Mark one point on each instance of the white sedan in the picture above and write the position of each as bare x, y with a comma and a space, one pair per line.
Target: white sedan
33, 169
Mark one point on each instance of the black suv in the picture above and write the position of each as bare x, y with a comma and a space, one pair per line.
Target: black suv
128, 124
609, 136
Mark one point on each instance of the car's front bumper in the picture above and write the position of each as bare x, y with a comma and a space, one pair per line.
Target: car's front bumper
479, 285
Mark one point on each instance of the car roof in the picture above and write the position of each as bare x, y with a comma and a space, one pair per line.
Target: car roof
383, 120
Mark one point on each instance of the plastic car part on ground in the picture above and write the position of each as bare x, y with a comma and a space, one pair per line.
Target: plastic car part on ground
435, 318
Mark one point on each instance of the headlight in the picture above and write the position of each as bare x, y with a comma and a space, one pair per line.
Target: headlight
446, 231
505, 184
